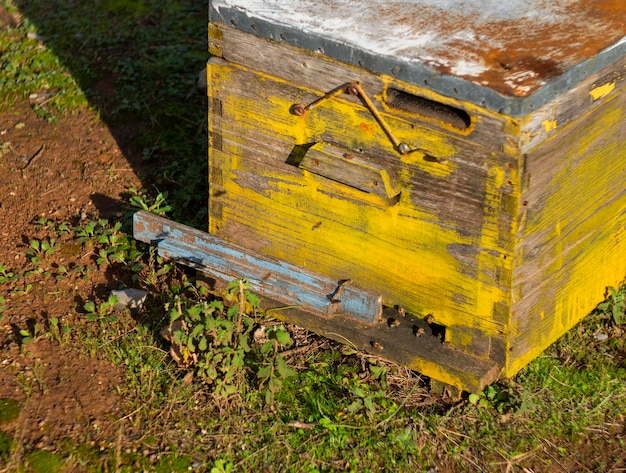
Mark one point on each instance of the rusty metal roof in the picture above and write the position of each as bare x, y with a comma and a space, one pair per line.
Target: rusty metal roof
508, 55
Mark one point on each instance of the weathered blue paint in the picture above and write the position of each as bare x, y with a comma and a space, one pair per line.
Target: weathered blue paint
267, 276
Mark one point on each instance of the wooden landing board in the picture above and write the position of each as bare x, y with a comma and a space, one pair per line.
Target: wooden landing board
267, 276
356, 318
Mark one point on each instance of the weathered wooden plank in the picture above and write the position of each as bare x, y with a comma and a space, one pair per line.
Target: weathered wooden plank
353, 170
412, 343
317, 72
267, 276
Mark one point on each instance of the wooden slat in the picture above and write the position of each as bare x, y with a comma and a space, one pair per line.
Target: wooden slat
449, 180
552, 118
267, 276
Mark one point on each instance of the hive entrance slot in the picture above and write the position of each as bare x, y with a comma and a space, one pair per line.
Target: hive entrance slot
428, 108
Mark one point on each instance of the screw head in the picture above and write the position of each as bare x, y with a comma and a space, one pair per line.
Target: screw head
352, 90
298, 109
403, 148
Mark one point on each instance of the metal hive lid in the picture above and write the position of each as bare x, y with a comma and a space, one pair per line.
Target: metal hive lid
512, 56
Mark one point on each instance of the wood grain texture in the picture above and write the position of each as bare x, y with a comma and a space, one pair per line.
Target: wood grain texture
570, 106
316, 72
572, 237
506, 232
439, 235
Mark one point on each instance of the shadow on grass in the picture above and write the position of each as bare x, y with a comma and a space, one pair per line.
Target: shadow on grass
137, 62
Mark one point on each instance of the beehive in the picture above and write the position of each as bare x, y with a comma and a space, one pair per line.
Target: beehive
464, 159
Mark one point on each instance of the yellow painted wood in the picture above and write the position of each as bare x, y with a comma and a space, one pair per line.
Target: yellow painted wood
573, 238
507, 241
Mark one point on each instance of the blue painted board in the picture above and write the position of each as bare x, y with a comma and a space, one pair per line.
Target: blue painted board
267, 276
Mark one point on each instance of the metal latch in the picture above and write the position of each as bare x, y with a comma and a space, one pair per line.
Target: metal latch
355, 89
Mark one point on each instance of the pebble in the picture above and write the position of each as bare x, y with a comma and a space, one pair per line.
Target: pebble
601, 337
130, 298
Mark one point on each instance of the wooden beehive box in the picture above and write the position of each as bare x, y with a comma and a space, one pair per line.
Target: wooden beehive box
464, 159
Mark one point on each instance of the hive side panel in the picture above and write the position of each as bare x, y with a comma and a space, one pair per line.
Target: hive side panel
444, 246
572, 228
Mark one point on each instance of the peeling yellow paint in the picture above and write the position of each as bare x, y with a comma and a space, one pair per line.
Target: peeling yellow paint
602, 91
402, 248
549, 125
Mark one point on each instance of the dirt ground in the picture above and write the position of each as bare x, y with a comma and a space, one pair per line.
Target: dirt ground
68, 171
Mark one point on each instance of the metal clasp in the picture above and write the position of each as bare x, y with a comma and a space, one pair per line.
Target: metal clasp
355, 89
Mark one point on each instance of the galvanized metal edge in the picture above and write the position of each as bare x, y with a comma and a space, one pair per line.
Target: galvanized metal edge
417, 73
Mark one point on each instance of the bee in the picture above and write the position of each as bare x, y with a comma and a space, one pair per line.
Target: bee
430, 319
377, 345
401, 311
419, 332
394, 322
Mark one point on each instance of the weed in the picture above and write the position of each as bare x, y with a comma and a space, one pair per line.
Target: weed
222, 466
29, 336
615, 304
140, 200
103, 312
6, 275
494, 396
4, 148
216, 340
59, 331
39, 249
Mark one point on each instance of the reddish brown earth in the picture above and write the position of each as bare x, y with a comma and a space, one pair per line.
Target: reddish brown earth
69, 171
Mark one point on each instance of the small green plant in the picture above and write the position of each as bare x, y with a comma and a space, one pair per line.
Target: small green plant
6, 275
52, 227
222, 466
615, 304
272, 367
493, 396
140, 200
104, 312
38, 249
45, 114
214, 338
4, 148
29, 336
59, 331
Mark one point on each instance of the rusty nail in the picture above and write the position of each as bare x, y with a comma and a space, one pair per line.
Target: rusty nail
298, 109
352, 89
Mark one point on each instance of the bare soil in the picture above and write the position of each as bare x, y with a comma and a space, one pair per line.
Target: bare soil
68, 171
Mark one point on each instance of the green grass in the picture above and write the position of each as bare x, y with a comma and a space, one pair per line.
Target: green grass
340, 410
